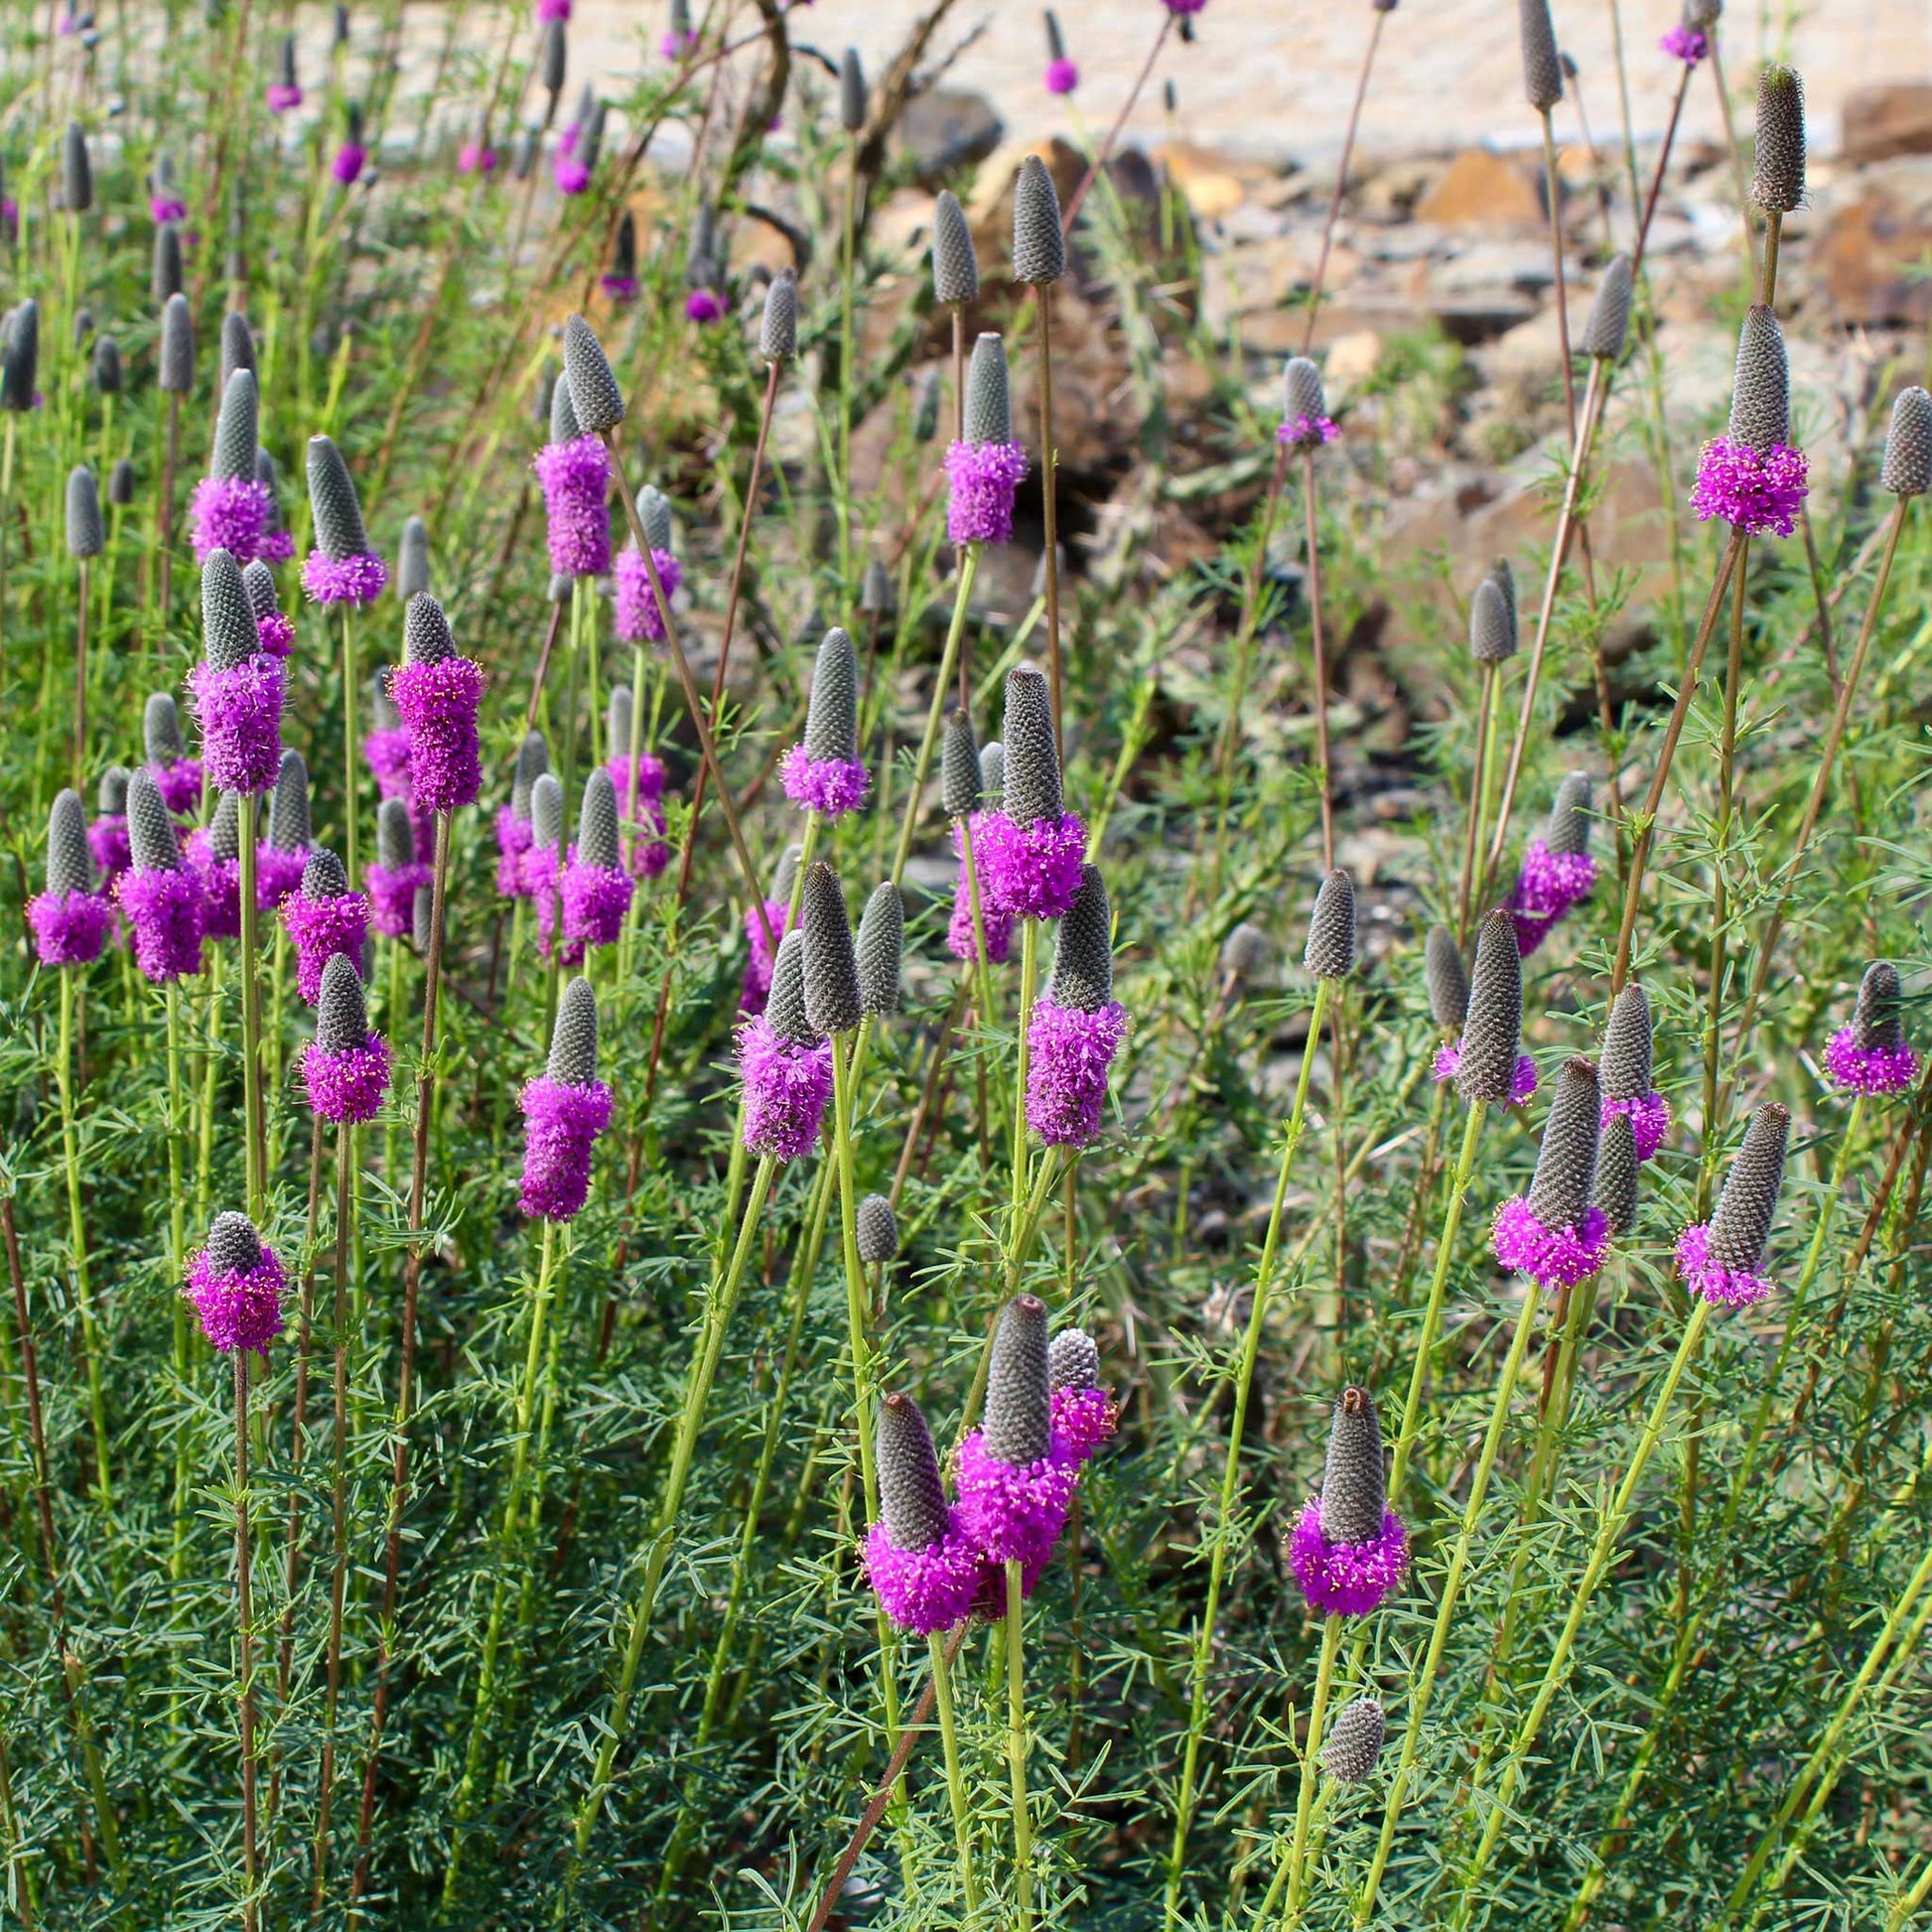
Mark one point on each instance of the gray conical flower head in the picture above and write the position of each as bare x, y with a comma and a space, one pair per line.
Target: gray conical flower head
1355, 1490
1330, 951
20, 364
1568, 831
1245, 952
573, 1036
1055, 41
1614, 1190
1493, 624
1038, 248
152, 841
597, 822
107, 366
341, 1008
270, 479
1083, 954
233, 1246
784, 1006
881, 950
960, 766
1542, 66
83, 326
778, 329
852, 93
993, 769
955, 267
1704, 13
1760, 396
556, 60
86, 537
229, 635
832, 716
832, 999
290, 827
224, 827
546, 810
422, 918
69, 866
1019, 1410
176, 359
1073, 1360
1741, 1225
1355, 1740
258, 580
1778, 178
911, 1497
989, 406
877, 1229
784, 874
324, 875
337, 510
1030, 758
76, 171
395, 837
925, 410
289, 78
1625, 1063
120, 484
875, 590
1609, 313
426, 635
654, 513
1907, 470
160, 729
165, 271
1302, 392
237, 347
1566, 1164
1878, 1021
532, 764
1504, 579
1492, 1031
564, 426
618, 718
111, 795
1447, 979
412, 559
594, 391
236, 428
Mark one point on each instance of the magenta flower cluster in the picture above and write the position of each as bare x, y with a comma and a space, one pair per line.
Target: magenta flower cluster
596, 902
165, 909
239, 711
438, 704
984, 477
392, 897
1758, 493
1650, 1121
1522, 1084
1869, 1069
1306, 432
283, 97
1731, 1287
1028, 872
347, 1087
786, 1085
1546, 889
70, 928
1062, 76
576, 481
1555, 1257
180, 784
762, 936
831, 787
237, 513
1069, 1055
237, 1310
359, 579
320, 928
638, 621
561, 1124
1685, 43
962, 941
1347, 1579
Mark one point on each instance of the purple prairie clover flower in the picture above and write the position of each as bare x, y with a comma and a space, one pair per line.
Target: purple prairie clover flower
549, 10
238, 514
704, 307
325, 920
351, 158
786, 1085
1731, 1287
277, 629
438, 695
386, 752
1070, 1053
220, 881
620, 288
675, 45
831, 787
1084, 1414
1549, 885
1016, 1510
1685, 43
359, 579
650, 777
1185, 9
1028, 872
163, 907
638, 621
179, 783
1650, 1121
342, 568
1554, 1256
561, 1124
1554, 1234
762, 934
1720, 1259
69, 928
1871, 1055
961, 939
239, 710
1306, 423
575, 476
236, 1284
392, 897
1347, 1579
568, 169
346, 1085
167, 208
1522, 1085
1062, 76
597, 891
514, 839
278, 873
824, 774
984, 478
283, 97
1307, 432
922, 1564
107, 843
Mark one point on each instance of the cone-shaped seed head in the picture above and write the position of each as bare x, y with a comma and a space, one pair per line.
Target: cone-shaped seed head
1245, 952
1447, 979
1778, 178
1504, 580
594, 391
572, 1038
1355, 1740
832, 1000
166, 271
1878, 1021
877, 1229
259, 582
161, 728
84, 535
1019, 1414
1609, 313
989, 409
1614, 1190
993, 769
228, 633
875, 590
177, 372
832, 716
1492, 1031
1073, 1360
337, 510
1056, 42
107, 366
111, 795
224, 828
654, 513
1568, 827
1626, 1064
784, 1006
412, 559
911, 1498
597, 821
76, 171
1355, 1490
69, 866
324, 877
619, 715
236, 428
1038, 248
1745, 1209
395, 837
1302, 391
237, 347
290, 828
1760, 396
960, 766
1330, 950
1493, 624
778, 330
1542, 68
532, 762
852, 93
1083, 954
1030, 758
342, 1010
556, 55
233, 1246
547, 810
422, 918
152, 841
955, 267
925, 412
20, 364
1566, 1164
426, 636
881, 948
1907, 470
120, 484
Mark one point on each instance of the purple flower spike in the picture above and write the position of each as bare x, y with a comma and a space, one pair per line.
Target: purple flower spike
549, 10
167, 208
1650, 1121
704, 307
829, 787
220, 881
165, 909
984, 478
283, 99
1551, 883
1016, 1510
515, 837
1069, 1054
1083, 1419
348, 162
347, 1087
238, 1308
570, 174
1869, 1069
1522, 1086
597, 900
238, 514
786, 1085
1062, 76
70, 928
108, 842
278, 873
387, 755
180, 784
1185, 9
392, 897
561, 1126
439, 702
637, 618
1731, 1287
1307, 432
1555, 1257
277, 629
1751, 491
763, 935
1347, 1579
576, 480
1030, 872
357, 579
650, 777
241, 715
1685, 43
322, 925
924, 1590
961, 941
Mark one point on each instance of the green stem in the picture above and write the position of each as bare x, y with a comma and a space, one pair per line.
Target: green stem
78, 1238
255, 1150
351, 790
941, 687
962, 1817
1297, 1877
1023, 1829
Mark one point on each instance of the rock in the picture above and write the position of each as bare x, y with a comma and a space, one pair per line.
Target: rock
1482, 190
1214, 185
946, 131
1352, 359
1894, 117
1868, 260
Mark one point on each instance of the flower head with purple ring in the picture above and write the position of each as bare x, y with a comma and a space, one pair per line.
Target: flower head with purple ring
1029, 871
283, 99
1757, 493
1650, 1121
575, 477
831, 787
1553, 1257
561, 1124
1347, 1579
277, 629
1083, 1419
638, 621
70, 928
357, 579
549, 10
762, 936
239, 711
1069, 1055
108, 842
167, 208
438, 702
238, 1308
650, 777
180, 784
347, 1087
1729, 1288
1185, 9
1015, 1511
1062, 76
924, 1590
1307, 432
165, 908
220, 881
321, 927
238, 514
1548, 885
675, 45
704, 307
620, 288
1869, 1069
350, 158
278, 873
984, 478
1685, 43
570, 174
386, 752
392, 897
962, 941
597, 900
515, 837
1522, 1085
786, 1085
